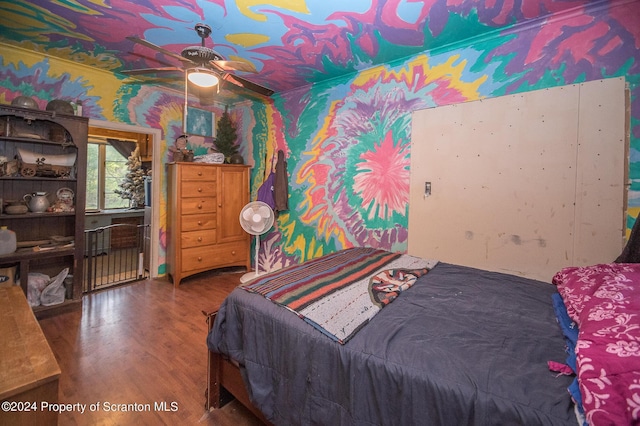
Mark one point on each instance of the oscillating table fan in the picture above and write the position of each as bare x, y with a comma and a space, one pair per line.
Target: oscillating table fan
256, 218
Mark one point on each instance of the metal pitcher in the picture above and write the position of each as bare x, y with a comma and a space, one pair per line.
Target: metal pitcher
37, 202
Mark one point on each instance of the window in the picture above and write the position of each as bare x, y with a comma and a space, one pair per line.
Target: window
106, 168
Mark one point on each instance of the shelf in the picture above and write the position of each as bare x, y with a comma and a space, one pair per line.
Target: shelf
38, 114
63, 144
29, 254
38, 178
67, 306
35, 215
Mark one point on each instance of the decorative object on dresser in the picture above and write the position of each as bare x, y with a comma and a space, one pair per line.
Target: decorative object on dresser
226, 136
50, 150
180, 150
212, 157
204, 233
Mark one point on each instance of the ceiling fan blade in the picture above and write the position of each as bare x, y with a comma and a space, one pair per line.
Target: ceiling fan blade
239, 81
151, 70
147, 79
158, 49
249, 85
234, 66
154, 59
167, 83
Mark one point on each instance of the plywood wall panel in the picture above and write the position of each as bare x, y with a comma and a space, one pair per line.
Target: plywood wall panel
601, 167
503, 175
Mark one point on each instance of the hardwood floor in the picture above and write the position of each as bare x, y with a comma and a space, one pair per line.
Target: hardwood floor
144, 344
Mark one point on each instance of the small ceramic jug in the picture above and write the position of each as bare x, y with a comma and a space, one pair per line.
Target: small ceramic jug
64, 203
37, 202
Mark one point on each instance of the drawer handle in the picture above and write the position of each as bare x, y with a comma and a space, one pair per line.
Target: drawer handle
199, 223
199, 206
199, 189
199, 239
233, 252
199, 259
220, 205
199, 173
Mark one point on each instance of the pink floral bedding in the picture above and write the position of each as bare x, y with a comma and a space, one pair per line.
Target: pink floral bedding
604, 301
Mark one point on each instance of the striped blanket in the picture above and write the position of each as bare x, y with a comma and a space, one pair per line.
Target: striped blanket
340, 292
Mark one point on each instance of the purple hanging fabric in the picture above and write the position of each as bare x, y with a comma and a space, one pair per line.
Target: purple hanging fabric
265, 192
281, 185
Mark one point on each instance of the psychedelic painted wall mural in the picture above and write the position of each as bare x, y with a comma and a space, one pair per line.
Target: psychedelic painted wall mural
347, 135
105, 98
348, 140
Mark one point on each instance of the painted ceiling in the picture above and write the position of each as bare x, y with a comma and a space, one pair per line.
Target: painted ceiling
289, 43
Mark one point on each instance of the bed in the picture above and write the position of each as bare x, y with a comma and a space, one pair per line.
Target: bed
456, 345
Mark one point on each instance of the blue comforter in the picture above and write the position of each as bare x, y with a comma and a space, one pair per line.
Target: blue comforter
462, 346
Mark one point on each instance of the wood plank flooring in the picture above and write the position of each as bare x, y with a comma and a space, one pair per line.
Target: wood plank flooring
144, 344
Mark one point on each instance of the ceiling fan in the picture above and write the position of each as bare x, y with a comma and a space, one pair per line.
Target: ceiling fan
202, 62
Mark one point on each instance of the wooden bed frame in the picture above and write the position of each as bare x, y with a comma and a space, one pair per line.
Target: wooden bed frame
224, 382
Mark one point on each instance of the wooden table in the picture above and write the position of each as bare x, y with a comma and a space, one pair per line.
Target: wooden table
29, 371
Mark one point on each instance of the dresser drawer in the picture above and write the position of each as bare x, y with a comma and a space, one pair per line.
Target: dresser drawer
196, 222
198, 189
198, 173
198, 205
227, 254
198, 238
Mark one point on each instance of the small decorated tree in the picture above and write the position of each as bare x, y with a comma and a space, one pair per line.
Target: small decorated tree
132, 186
226, 136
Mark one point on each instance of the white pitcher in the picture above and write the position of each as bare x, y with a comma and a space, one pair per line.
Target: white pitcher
37, 202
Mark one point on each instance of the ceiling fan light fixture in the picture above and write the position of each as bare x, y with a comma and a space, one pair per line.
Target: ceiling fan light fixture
203, 78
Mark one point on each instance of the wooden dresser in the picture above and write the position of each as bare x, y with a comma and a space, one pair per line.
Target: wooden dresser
203, 227
29, 371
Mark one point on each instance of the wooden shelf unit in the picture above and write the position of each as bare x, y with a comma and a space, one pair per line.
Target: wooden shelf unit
46, 134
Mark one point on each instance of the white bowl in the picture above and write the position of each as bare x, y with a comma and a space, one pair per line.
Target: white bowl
16, 209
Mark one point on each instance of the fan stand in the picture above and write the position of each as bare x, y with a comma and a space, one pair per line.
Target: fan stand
255, 274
